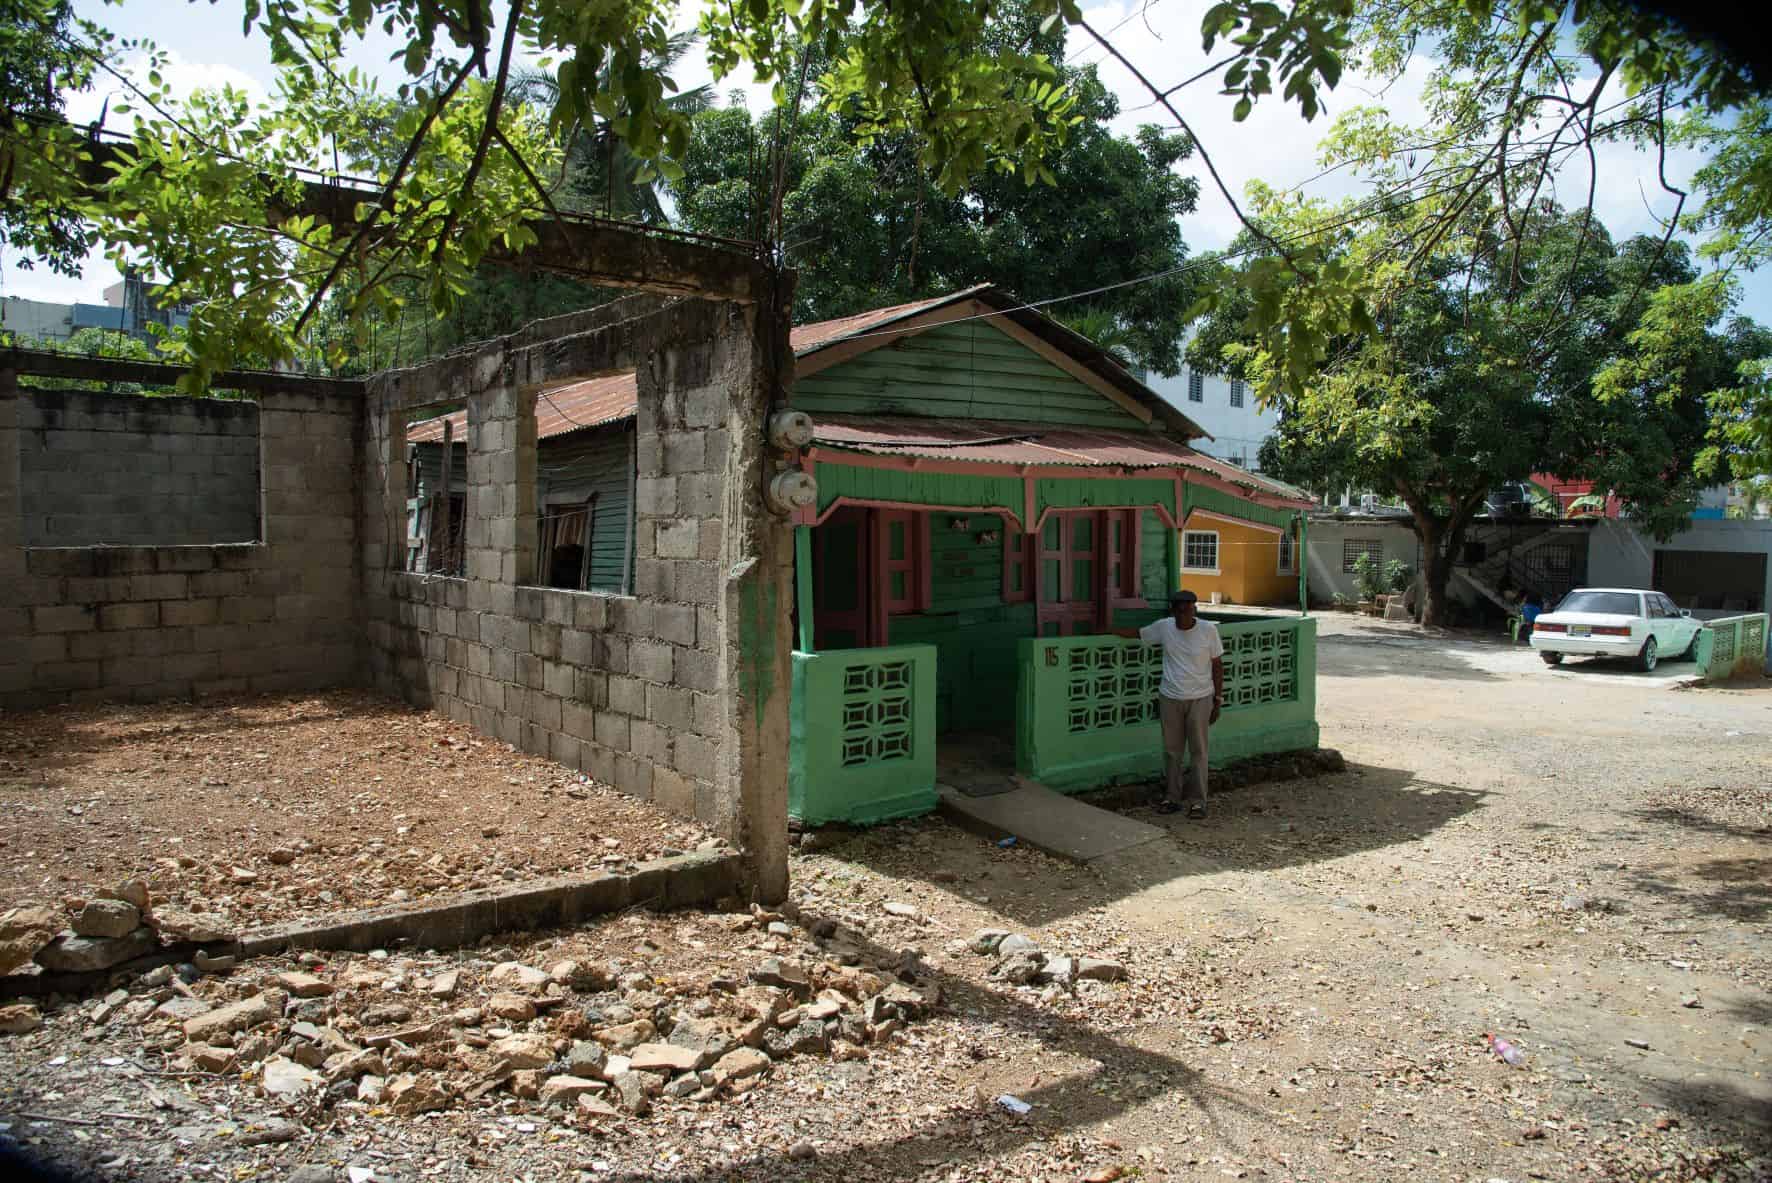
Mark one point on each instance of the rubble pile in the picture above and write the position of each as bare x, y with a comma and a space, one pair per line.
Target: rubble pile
114, 926
417, 1034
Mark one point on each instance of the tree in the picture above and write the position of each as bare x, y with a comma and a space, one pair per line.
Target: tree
200, 193
36, 69
865, 225
1468, 384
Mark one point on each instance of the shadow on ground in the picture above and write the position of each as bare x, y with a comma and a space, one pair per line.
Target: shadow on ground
1263, 827
1737, 888
1381, 655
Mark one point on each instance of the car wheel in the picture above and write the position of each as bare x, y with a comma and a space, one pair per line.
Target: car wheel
1648, 657
1552, 658
1691, 653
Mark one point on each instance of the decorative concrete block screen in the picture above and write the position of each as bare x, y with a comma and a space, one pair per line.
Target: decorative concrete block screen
1732, 646
1086, 712
124, 470
863, 734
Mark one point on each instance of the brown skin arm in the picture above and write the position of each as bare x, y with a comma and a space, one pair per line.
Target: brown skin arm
1217, 689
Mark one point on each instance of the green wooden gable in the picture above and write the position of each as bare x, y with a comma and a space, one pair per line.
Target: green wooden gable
966, 370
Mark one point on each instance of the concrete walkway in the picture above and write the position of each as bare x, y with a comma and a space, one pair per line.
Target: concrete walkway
1048, 821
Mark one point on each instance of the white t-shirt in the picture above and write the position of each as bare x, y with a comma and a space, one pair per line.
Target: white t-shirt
1187, 655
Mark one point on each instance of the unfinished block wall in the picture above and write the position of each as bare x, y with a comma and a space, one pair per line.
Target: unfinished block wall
100, 469
677, 693
82, 622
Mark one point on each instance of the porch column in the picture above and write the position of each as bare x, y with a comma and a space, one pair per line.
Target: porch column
803, 585
1304, 603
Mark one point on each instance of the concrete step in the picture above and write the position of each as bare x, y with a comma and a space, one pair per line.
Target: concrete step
1051, 822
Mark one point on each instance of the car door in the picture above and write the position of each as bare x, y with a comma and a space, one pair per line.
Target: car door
1680, 628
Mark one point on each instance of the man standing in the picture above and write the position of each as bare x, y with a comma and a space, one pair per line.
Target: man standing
1190, 697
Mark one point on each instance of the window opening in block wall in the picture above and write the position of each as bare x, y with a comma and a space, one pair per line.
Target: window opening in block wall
436, 491
101, 469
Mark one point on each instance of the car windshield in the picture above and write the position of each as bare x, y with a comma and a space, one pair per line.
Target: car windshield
1611, 603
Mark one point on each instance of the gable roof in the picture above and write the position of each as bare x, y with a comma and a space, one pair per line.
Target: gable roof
596, 402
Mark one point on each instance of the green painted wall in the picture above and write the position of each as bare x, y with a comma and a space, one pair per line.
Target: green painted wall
973, 631
1086, 717
862, 735
917, 488
572, 467
970, 370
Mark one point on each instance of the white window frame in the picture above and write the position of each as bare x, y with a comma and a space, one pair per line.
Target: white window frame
1216, 556
1281, 566
1196, 386
1236, 392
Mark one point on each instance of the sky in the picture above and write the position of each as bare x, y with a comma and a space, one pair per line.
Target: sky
1160, 37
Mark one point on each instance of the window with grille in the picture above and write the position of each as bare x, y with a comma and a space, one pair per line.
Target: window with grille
1353, 548
1199, 550
1196, 387
1236, 392
1288, 554
1559, 558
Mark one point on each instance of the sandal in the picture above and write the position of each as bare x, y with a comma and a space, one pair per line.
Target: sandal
1196, 811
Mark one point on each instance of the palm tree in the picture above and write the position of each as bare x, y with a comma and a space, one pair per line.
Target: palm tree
601, 175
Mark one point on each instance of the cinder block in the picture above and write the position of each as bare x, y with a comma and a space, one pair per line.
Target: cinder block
684, 451
697, 582
50, 648
544, 710
656, 496
64, 618
627, 695
544, 640
697, 670
673, 791
632, 776
671, 706
577, 719
631, 617
611, 730
67, 675
653, 660
694, 756
174, 613
679, 539
674, 623
593, 688
590, 611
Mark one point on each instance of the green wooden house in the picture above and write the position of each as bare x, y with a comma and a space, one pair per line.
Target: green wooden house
994, 492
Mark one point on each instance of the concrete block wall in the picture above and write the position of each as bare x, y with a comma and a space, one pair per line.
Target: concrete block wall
87, 623
102, 469
676, 694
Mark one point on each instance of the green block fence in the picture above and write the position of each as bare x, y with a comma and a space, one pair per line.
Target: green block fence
1731, 647
861, 747
1086, 707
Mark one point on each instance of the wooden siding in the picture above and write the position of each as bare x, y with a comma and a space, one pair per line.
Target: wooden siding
569, 468
974, 632
969, 370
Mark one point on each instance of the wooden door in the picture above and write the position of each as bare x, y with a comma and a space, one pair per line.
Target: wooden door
842, 554
1070, 573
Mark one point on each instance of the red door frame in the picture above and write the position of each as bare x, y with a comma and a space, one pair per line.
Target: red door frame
874, 568
824, 617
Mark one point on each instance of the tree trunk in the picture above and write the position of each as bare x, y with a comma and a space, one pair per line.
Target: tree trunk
1437, 573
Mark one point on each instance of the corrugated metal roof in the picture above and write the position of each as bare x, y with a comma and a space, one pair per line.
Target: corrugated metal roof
572, 407
996, 442
597, 401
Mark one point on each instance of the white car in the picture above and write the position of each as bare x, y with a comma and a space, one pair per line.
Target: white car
1615, 622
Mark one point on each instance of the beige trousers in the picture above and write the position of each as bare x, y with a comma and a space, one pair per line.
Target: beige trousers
1184, 729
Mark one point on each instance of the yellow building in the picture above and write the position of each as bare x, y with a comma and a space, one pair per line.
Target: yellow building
1239, 562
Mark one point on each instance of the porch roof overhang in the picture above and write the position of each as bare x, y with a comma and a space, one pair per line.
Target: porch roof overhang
958, 444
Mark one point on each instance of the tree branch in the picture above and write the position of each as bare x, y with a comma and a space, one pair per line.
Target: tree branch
1205, 158
388, 192
487, 129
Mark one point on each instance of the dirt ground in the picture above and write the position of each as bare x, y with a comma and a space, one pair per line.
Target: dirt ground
268, 809
1579, 860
